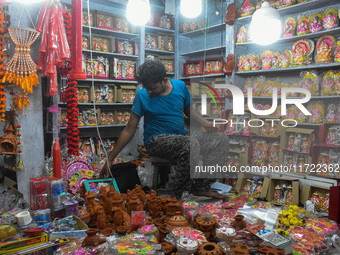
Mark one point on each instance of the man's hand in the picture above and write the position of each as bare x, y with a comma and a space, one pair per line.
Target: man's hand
105, 172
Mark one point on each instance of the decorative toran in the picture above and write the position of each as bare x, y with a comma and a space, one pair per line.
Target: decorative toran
2, 59
71, 99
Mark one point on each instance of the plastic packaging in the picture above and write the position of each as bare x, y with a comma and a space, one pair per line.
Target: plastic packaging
315, 22
310, 81
289, 27
330, 18
246, 8
325, 47
303, 25
328, 84
302, 51
242, 35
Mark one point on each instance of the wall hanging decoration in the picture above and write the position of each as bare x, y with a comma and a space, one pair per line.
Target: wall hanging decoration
19, 144
21, 69
2, 59
54, 49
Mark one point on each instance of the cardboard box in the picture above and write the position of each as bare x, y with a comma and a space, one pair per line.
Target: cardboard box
323, 132
103, 94
303, 132
107, 117
170, 43
169, 63
151, 41
125, 47
188, 25
295, 161
307, 192
270, 184
213, 65
105, 20
123, 69
17, 245
81, 227
126, 94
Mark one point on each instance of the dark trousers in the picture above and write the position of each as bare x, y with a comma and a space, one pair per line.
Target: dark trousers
186, 151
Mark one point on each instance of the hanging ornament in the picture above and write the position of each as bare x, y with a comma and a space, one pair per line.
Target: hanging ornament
19, 151
21, 69
2, 59
71, 98
54, 50
20, 101
8, 142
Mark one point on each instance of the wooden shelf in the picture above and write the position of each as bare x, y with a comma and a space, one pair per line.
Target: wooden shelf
159, 51
200, 52
289, 69
110, 54
201, 76
296, 38
108, 32
159, 29
296, 8
109, 81
99, 104
99, 126
202, 31
327, 145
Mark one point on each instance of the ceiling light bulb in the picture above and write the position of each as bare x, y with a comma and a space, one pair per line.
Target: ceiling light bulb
265, 27
138, 12
191, 8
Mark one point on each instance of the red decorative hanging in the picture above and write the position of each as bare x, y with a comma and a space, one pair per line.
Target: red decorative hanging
71, 95
2, 59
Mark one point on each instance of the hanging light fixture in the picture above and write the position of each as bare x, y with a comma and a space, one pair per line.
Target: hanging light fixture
138, 12
265, 27
191, 8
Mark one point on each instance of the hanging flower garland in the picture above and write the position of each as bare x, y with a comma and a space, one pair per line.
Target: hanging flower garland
19, 151
2, 59
72, 98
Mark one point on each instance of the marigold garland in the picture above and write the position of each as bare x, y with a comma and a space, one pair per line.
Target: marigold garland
2, 59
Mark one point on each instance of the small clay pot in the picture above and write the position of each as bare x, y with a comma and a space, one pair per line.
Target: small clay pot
34, 231
107, 231
209, 249
92, 239
121, 230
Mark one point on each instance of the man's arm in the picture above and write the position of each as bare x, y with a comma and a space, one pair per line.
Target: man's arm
195, 116
123, 139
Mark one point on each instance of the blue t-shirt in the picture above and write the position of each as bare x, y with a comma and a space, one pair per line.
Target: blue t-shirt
163, 114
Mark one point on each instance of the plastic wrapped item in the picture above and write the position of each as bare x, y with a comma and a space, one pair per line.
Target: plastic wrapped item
133, 244
325, 47
266, 58
318, 113
246, 8
289, 27
254, 62
39, 193
242, 35
337, 84
284, 3
302, 51
310, 81
303, 25
58, 193
315, 22
276, 60
7, 232
286, 59
331, 113
75, 248
322, 226
328, 84
337, 52
330, 19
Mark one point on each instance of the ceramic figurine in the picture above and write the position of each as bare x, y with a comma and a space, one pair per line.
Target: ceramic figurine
330, 19
303, 25
328, 83
331, 136
316, 22
246, 9
305, 146
266, 58
286, 59
289, 27
242, 35
324, 49
301, 51
332, 109
310, 82
317, 113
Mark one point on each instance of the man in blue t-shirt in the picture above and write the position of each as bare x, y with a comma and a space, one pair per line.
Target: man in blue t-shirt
163, 103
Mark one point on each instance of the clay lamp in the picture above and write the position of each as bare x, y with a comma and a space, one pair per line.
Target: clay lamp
209, 249
177, 221
84, 215
269, 250
92, 239
34, 231
107, 231
207, 224
239, 248
149, 221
